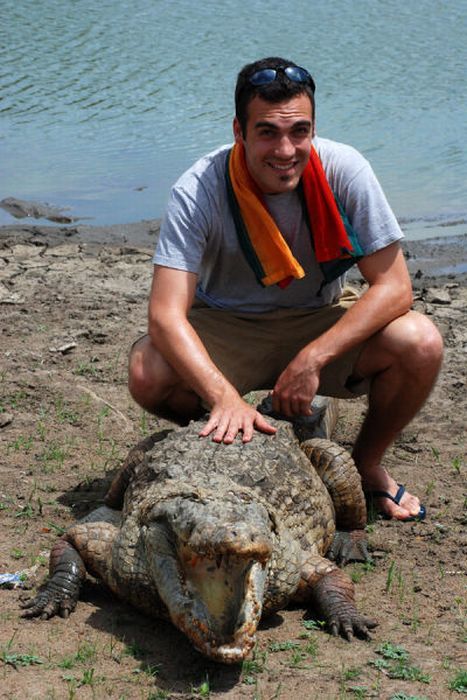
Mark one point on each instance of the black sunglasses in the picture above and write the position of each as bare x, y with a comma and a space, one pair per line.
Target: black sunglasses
294, 73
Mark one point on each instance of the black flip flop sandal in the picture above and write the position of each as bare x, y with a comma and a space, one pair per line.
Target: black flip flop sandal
371, 495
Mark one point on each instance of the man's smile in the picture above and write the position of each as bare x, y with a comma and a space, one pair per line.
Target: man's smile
283, 166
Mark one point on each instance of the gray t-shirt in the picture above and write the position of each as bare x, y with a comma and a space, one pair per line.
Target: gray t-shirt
198, 233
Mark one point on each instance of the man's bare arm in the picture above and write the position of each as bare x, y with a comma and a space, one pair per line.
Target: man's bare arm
389, 296
175, 338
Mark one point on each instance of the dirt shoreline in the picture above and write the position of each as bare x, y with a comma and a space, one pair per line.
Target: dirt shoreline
443, 257
72, 299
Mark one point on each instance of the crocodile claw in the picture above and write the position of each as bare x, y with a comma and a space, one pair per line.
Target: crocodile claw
349, 546
59, 596
333, 596
351, 624
47, 604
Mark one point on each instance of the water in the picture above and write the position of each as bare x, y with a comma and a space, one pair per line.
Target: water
103, 105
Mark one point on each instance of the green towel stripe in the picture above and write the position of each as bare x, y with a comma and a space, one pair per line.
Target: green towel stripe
356, 251
333, 269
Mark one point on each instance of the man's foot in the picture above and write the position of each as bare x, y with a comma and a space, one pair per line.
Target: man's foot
391, 500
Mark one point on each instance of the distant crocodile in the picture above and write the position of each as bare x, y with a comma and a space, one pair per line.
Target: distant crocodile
20, 209
213, 536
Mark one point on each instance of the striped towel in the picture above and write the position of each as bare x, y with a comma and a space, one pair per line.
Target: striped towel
334, 242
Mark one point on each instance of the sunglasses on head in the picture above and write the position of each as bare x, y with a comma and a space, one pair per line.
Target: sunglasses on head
294, 73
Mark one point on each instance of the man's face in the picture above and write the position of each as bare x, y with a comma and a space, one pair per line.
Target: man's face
277, 142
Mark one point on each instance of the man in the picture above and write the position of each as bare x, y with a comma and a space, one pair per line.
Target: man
248, 288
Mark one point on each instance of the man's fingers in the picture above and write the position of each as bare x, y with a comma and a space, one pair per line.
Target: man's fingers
304, 407
276, 402
262, 424
248, 432
224, 427
231, 433
221, 430
281, 404
209, 427
293, 405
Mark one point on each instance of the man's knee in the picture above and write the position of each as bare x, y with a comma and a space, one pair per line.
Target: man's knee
149, 375
137, 379
418, 341
411, 341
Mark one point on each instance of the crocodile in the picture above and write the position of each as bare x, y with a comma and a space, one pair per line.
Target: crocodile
20, 209
213, 536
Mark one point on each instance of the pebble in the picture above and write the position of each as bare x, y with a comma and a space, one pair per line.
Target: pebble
5, 419
437, 296
64, 349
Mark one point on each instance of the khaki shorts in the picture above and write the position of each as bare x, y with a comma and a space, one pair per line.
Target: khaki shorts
252, 349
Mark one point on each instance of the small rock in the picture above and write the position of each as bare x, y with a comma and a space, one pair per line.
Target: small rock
67, 250
437, 296
378, 554
22, 251
64, 349
5, 419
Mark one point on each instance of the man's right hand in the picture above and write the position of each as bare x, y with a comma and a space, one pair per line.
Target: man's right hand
233, 416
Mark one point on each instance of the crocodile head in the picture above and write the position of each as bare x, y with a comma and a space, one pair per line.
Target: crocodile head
208, 559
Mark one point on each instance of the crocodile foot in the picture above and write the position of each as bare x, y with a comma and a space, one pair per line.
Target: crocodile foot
348, 546
333, 595
60, 594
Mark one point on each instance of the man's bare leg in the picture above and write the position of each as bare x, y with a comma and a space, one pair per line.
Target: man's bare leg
402, 361
156, 387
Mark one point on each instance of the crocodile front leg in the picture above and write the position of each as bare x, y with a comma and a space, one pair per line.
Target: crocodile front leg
333, 596
330, 592
61, 592
85, 547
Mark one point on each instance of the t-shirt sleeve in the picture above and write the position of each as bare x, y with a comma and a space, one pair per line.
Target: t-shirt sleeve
352, 179
183, 233
369, 212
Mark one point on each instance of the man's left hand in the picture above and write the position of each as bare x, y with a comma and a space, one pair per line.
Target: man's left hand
296, 387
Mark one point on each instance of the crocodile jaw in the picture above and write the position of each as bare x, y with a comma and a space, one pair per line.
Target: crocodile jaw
215, 601
222, 619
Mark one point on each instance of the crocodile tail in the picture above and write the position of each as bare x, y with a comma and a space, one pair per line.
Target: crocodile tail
339, 474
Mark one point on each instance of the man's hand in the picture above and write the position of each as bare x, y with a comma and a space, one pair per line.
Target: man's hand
296, 387
231, 416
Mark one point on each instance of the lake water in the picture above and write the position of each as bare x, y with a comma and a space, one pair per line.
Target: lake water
103, 104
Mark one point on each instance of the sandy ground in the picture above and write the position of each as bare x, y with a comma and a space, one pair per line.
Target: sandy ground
71, 301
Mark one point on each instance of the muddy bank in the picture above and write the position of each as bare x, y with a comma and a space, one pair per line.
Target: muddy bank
72, 299
434, 257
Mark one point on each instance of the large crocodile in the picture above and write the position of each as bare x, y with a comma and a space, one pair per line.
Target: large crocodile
213, 536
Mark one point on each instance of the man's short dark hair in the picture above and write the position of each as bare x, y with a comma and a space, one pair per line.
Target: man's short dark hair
280, 89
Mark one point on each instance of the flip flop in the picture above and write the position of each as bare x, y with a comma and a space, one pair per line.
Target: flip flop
371, 495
